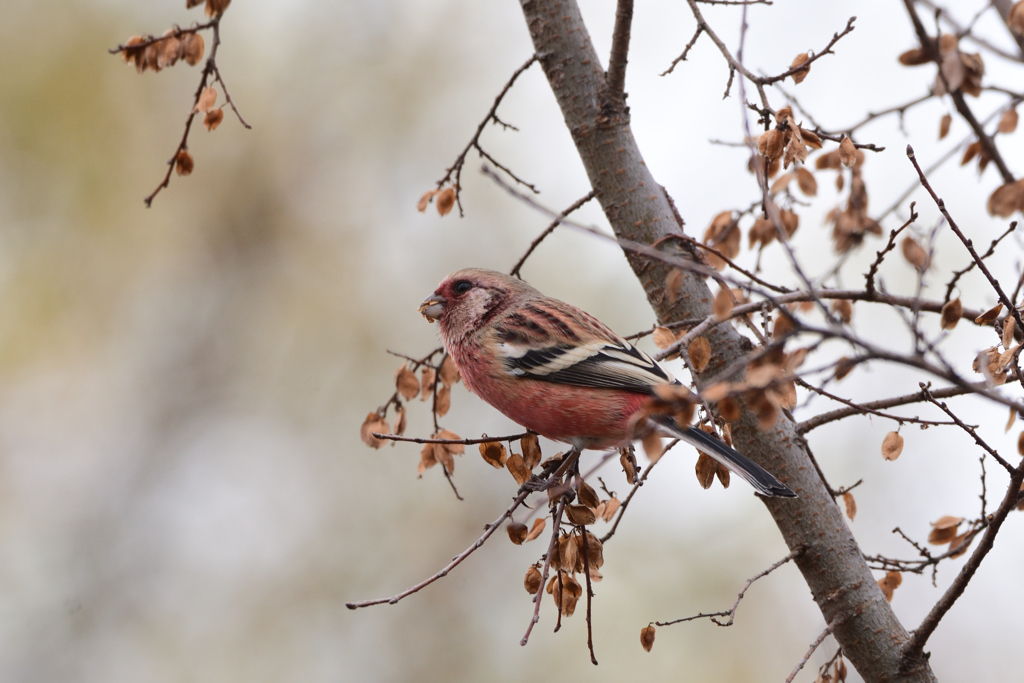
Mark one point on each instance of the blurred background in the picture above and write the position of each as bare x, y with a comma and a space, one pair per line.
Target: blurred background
183, 492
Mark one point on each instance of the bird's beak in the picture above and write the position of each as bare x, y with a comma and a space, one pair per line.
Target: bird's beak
432, 307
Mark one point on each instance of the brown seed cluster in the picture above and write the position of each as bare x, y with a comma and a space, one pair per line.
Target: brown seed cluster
767, 388
444, 200
149, 53
957, 70
214, 8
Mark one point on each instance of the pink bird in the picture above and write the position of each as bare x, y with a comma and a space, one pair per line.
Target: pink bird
560, 372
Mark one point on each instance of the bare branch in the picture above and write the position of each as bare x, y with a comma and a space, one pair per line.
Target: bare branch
814, 646
464, 442
970, 429
474, 143
456, 561
836, 37
861, 408
880, 255
1010, 307
914, 648
548, 230
731, 613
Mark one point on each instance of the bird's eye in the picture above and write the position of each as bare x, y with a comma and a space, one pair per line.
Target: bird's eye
463, 286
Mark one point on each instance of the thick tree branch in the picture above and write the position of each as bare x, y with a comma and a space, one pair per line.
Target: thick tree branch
639, 211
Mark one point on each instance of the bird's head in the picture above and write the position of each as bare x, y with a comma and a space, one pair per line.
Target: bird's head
467, 299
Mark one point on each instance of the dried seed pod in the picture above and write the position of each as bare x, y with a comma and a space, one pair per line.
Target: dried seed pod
647, 637
406, 383
847, 152
944, 124
611, 506
914, 57
587, 495
892, 446
914, 253
705, 469
889, 583
700, 353
444, 401
517, 468
806, 182
568, 552
595, 551
399, 427
844, 309
206, 100
494, 454
580, 515
653, 446
428, 457
1008, 121
445, 200
723, 304
424, 201
989, 315
1006, 199
673, 283
951, 313
851, 505
944, 529
532, 580
1015, 19
192, 48
449, 374
531, 451
516, 532
213, 118
374, 422
729, 409
800, 74
537, 529
427, 379
183, 163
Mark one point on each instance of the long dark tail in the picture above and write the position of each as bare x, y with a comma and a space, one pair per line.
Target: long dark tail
752, 473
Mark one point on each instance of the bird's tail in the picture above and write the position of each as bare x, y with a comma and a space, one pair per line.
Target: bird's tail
754, 474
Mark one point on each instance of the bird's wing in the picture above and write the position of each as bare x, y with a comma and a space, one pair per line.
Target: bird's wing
601, 364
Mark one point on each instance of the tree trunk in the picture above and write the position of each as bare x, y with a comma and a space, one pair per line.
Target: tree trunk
861, 619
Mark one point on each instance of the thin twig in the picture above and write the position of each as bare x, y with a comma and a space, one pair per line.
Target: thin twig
880, 255
548, 230
456, 561
970, 429
474, 142
967, 243
836, 37
870, 411
970, 266
810, 651
464, 442
913, 649
556, 520
713, 616
686, 51
861, 408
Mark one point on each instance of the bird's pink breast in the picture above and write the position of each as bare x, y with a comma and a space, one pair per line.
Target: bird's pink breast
594, 418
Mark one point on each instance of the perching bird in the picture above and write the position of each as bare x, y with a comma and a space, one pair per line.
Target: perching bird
558, 371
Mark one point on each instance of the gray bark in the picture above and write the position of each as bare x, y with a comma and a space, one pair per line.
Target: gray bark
861, 620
